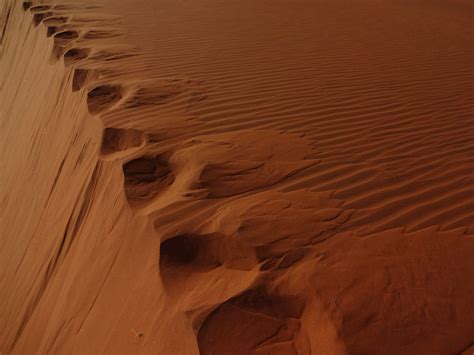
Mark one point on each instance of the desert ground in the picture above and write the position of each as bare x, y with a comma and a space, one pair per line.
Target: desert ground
237, 177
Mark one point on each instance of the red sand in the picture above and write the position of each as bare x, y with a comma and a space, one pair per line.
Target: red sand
237, 177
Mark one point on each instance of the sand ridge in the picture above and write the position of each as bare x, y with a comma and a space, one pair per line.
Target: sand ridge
188, 217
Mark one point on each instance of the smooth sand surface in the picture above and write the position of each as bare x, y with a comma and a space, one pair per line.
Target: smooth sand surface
237, 177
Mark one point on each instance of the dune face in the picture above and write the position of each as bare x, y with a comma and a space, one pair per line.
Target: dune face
236, 177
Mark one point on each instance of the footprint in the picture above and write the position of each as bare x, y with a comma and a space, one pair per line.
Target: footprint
118, 140
179, 250
54, 24
193, 251
79, 79
257, 321
27, 5
188, 253
103, 97
146, 177
74, 55
66, 36
35, 9
51, 31
37, 18
186, 259
61, 40
56, 20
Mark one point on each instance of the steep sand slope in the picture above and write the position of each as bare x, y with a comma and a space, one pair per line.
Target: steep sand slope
237, 177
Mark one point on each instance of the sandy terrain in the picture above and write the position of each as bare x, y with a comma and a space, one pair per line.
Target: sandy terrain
237, 177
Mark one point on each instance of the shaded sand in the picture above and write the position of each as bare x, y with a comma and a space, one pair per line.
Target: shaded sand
236, 177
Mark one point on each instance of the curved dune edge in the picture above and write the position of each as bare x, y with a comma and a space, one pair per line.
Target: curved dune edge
177, 241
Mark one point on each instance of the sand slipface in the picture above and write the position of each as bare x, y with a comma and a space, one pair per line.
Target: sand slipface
238, 177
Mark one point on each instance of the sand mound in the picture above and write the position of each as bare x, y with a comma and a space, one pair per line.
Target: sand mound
228, 177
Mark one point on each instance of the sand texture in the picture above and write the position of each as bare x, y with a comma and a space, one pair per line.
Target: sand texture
237, 177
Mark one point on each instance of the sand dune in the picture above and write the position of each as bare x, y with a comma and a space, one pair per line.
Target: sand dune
236, 177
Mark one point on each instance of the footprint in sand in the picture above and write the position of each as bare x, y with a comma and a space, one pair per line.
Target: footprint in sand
146, 177
117, 140
74, 55
103, 97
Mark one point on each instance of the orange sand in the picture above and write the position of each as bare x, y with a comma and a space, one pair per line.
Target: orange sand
237, 177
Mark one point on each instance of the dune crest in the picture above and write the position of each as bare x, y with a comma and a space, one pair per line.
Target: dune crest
236, 177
